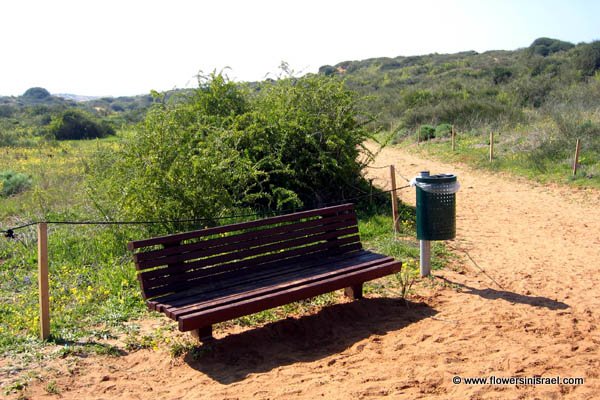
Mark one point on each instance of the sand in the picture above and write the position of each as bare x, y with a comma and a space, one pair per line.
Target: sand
522, 300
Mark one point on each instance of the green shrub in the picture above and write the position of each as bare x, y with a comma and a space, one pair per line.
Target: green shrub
12, 183
224, 149
74, 124
501, 75
426, 132
443, 130
36, 93
587, 59
546, 46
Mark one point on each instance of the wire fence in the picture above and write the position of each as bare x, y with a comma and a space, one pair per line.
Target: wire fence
10, 232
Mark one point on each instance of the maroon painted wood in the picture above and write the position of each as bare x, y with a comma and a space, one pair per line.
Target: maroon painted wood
212, 275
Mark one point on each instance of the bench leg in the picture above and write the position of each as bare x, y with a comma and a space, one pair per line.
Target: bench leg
203, 334
354, 292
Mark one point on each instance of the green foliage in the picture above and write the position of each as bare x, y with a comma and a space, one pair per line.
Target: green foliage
546, 46
12, 183
327, 70
74, 125
36, 93
588, 58
501, 75
443, 130
25, 120
471, 90
224, 149
426, 132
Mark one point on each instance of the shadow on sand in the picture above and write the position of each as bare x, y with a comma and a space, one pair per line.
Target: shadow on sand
332, 330
492, 294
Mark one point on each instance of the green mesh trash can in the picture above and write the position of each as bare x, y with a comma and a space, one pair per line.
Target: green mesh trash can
436, 206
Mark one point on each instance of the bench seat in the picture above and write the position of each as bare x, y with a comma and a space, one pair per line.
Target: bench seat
216, 274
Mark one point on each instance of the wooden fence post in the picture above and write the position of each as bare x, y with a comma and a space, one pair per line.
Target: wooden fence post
396, 221
42, 230
491, 145
453, 137
576, 159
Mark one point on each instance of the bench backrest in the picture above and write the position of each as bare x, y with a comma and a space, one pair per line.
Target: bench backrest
174, 263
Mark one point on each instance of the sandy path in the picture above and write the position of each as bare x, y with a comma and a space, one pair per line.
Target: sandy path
529, 308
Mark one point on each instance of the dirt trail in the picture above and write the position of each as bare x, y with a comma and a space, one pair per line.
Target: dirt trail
527, 305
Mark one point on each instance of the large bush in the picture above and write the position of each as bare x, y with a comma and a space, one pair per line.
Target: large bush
227, 149
12, 183
546, 46
588, 58
74, 124
36, 93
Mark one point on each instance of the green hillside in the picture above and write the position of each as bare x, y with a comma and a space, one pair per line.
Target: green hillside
37, 115
539, 99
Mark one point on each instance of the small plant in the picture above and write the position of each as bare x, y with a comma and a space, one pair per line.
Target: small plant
443, 130
407, 277
15, 387
52, 388
179, 348
426, 132
12, 183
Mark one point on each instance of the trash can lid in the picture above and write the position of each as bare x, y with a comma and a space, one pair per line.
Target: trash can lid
439, 178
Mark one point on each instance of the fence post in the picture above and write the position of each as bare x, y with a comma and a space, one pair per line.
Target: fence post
491, 145
395, 218
453, 136
42, 230
576, 159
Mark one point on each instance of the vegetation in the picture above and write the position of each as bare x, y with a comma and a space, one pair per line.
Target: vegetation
275, 146
37, 116
74, 125
257, 151
12, 183
538, 99
227, 149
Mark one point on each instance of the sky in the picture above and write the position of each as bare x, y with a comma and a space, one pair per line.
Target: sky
129, 47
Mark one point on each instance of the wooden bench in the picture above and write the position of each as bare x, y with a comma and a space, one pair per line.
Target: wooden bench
216, 274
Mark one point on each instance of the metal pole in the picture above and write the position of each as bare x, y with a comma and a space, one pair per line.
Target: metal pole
425, 263
425, 247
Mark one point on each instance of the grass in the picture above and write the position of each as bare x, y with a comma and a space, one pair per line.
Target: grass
94, 294
515, 153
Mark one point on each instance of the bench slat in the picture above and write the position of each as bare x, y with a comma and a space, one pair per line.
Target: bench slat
248, 306
190, 271
294, 278
233, 282
213, 261
204, 244
177, 238
238, 243
205, 289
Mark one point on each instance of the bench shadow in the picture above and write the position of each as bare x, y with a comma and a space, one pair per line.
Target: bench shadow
308, 338
492, 294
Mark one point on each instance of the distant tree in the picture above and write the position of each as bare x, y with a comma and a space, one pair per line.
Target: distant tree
546, 46
501, 75
36, 93
75, 124
327, 70
6, 110
588, 58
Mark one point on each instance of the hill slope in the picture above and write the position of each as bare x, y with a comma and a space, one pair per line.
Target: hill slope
471, 89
